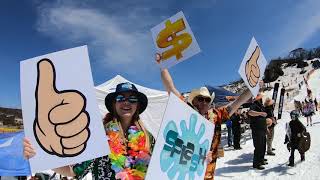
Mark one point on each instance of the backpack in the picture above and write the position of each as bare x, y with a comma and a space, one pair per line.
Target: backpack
304, 142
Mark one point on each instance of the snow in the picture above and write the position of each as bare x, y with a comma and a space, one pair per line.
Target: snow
238, 164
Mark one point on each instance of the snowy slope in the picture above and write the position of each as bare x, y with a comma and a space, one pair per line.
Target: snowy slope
238, 164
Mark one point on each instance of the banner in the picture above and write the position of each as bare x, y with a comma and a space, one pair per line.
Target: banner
252, 67
12, 162
182, 145
60, 113
174, 41
281, 102
275, 92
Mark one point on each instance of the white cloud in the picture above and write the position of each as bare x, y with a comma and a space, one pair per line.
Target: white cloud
121, 42
302, 22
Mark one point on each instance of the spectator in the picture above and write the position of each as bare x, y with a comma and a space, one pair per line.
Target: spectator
258, 124
294, 133
270, 131
308, 111
200, 99
125, 131
229, 128
236, 129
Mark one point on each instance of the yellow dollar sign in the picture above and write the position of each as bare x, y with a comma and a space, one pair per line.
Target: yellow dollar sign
168, 37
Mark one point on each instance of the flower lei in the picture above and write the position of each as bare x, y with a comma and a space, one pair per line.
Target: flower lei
129, 158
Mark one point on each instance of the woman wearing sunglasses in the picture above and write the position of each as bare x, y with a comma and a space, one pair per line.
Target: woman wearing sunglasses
130, 143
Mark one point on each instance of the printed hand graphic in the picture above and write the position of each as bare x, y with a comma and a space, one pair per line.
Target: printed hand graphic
61, 125
252, 69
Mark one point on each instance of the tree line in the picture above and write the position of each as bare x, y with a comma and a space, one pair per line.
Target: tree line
295, 57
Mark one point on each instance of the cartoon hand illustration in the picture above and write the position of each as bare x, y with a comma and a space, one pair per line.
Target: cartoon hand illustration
184, 153
61, 125
252, 69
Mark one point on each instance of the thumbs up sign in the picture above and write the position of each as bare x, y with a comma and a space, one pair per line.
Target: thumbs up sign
61, 125
252, 69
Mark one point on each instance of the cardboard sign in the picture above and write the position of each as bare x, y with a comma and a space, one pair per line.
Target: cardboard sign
60, 113
182, 145
174, 41
252, 67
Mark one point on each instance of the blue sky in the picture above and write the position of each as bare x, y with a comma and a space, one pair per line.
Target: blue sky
119, 39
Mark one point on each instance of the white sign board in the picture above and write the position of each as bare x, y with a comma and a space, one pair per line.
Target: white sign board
182, 145
252, 67
60, 112
174, 41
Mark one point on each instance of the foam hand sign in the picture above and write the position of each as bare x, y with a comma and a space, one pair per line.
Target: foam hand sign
174, 41
252, 67
61, 123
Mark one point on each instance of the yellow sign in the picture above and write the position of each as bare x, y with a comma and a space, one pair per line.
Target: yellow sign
168, 37
174, 41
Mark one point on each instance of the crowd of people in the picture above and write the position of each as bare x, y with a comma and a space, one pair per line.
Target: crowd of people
262, 124
131, 144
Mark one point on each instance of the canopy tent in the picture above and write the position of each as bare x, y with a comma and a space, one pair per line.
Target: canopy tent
157, 101
152, 116
222, 96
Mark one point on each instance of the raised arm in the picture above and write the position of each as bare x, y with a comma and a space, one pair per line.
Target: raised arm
244, 97
65, 171
256, 113
168, 82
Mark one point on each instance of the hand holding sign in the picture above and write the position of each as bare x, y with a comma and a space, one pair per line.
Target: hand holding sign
252, 68
61, 123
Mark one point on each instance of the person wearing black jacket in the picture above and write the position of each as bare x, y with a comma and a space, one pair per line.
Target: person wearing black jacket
258, 124
236, 129
270, 132
294, 133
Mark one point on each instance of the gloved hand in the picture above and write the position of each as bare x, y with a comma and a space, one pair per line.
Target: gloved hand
288, 147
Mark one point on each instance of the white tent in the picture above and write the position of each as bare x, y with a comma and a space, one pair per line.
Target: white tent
157, 101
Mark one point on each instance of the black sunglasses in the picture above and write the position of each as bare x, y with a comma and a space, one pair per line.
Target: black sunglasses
130, 99
201, 99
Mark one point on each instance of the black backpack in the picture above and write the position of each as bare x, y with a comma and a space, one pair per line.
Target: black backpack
304, 142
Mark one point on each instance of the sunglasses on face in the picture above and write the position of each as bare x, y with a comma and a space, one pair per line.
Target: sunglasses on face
130, 99
205, 99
